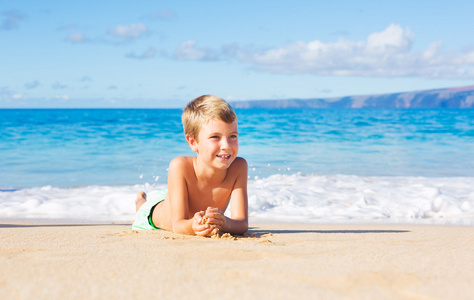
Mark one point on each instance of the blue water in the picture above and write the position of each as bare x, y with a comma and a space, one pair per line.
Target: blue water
304, 165
133, 146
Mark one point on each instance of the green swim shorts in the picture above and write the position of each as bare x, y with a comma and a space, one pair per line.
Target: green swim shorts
143, 219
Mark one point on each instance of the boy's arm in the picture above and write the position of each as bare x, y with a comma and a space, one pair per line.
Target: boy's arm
178, 197
238, 222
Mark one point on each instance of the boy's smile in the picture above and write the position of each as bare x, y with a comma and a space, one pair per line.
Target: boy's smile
217, 143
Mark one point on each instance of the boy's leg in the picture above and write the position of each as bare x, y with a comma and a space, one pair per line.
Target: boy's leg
141, 198
145, 209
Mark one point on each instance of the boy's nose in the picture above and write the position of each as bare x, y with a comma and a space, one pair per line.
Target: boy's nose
224, 143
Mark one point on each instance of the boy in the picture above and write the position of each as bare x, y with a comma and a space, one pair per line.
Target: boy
202, 186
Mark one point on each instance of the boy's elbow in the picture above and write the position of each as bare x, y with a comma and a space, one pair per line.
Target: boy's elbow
181, 227
243, 228
237, 226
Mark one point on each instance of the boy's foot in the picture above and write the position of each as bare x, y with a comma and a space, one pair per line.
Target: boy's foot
141, 198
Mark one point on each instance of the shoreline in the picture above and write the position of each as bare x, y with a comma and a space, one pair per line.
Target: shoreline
50, 260
462, 222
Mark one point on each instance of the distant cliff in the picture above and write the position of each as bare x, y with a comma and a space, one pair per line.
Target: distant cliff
462, 97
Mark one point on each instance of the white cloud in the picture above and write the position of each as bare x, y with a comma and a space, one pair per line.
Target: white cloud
383, 54
150, 53
11, 20
129, 32
58, 86
85, 79
7, 95
32, 84
393, 39
76, 38
118, 35
188, 51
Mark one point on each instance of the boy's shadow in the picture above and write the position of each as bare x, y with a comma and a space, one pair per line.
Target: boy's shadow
260, 233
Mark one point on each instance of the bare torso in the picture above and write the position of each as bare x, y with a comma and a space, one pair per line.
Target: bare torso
200, 194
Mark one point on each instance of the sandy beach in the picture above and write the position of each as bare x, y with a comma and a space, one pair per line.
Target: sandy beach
274, 261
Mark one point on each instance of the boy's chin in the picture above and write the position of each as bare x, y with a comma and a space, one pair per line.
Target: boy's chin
224, 164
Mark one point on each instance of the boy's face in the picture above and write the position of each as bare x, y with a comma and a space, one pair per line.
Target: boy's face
217, 143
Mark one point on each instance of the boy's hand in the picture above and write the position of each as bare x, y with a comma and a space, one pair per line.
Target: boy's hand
215, 217
202, 229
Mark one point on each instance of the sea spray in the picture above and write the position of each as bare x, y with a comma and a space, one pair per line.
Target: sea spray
297, 198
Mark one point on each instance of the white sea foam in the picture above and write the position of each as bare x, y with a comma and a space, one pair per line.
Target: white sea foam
343, 197
301, 198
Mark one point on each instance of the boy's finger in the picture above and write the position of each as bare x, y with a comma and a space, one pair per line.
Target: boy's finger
214, 209
216, 212
202, 232
205, 232
217, 217
214, 216
217, 223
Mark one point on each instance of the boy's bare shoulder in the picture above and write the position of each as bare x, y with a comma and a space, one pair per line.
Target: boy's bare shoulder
239, 165
181, 163
240, 162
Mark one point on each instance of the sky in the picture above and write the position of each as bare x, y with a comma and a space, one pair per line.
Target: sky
162, 54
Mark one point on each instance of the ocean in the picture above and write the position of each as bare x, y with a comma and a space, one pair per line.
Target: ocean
305, 165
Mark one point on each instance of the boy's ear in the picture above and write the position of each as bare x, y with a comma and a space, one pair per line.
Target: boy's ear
192, 142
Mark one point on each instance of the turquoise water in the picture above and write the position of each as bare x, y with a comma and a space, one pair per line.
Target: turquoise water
304, 165
132, 146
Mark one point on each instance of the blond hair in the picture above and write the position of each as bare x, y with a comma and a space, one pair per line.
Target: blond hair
203, 109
